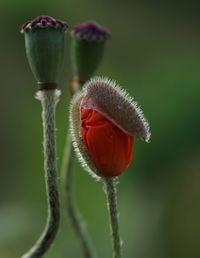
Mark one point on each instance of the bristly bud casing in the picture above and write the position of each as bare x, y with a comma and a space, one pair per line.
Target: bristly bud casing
88, 45
44, 43
104, 122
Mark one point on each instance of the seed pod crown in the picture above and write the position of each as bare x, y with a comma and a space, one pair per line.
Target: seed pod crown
90, 31
44, 21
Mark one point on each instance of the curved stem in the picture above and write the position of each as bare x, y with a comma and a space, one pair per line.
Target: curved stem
74, 216
111, 194
73, 213
48, 100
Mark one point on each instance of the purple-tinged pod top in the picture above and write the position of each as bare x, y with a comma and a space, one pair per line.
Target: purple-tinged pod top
90, 31
44, 21
44, 43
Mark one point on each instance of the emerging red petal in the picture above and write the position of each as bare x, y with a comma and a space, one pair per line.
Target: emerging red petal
108, 146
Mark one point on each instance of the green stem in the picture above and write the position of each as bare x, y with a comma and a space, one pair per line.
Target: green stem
48, 100
111, 194
73, 213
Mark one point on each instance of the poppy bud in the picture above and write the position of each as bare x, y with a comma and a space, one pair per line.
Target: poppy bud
88, 44
44, 42
104, 121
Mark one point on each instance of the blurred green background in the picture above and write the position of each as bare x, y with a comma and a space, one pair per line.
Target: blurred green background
155, 54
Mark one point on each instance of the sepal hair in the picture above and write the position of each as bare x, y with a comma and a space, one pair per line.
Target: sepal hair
75, 130
117, 104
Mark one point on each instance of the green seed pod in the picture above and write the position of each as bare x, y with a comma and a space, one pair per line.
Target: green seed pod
44, 43
88, 44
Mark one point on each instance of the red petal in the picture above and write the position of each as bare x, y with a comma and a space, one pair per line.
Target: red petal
109, 147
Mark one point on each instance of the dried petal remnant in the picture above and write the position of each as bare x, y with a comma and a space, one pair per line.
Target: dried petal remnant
108, 146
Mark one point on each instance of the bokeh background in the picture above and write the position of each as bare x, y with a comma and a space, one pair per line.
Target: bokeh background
155, 54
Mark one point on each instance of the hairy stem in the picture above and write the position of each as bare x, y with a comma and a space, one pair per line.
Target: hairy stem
74, 217
48, 100
111, 195
73, 214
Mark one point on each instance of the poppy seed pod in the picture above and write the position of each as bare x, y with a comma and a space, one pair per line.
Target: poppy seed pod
87, 48
104, 120
44, 43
